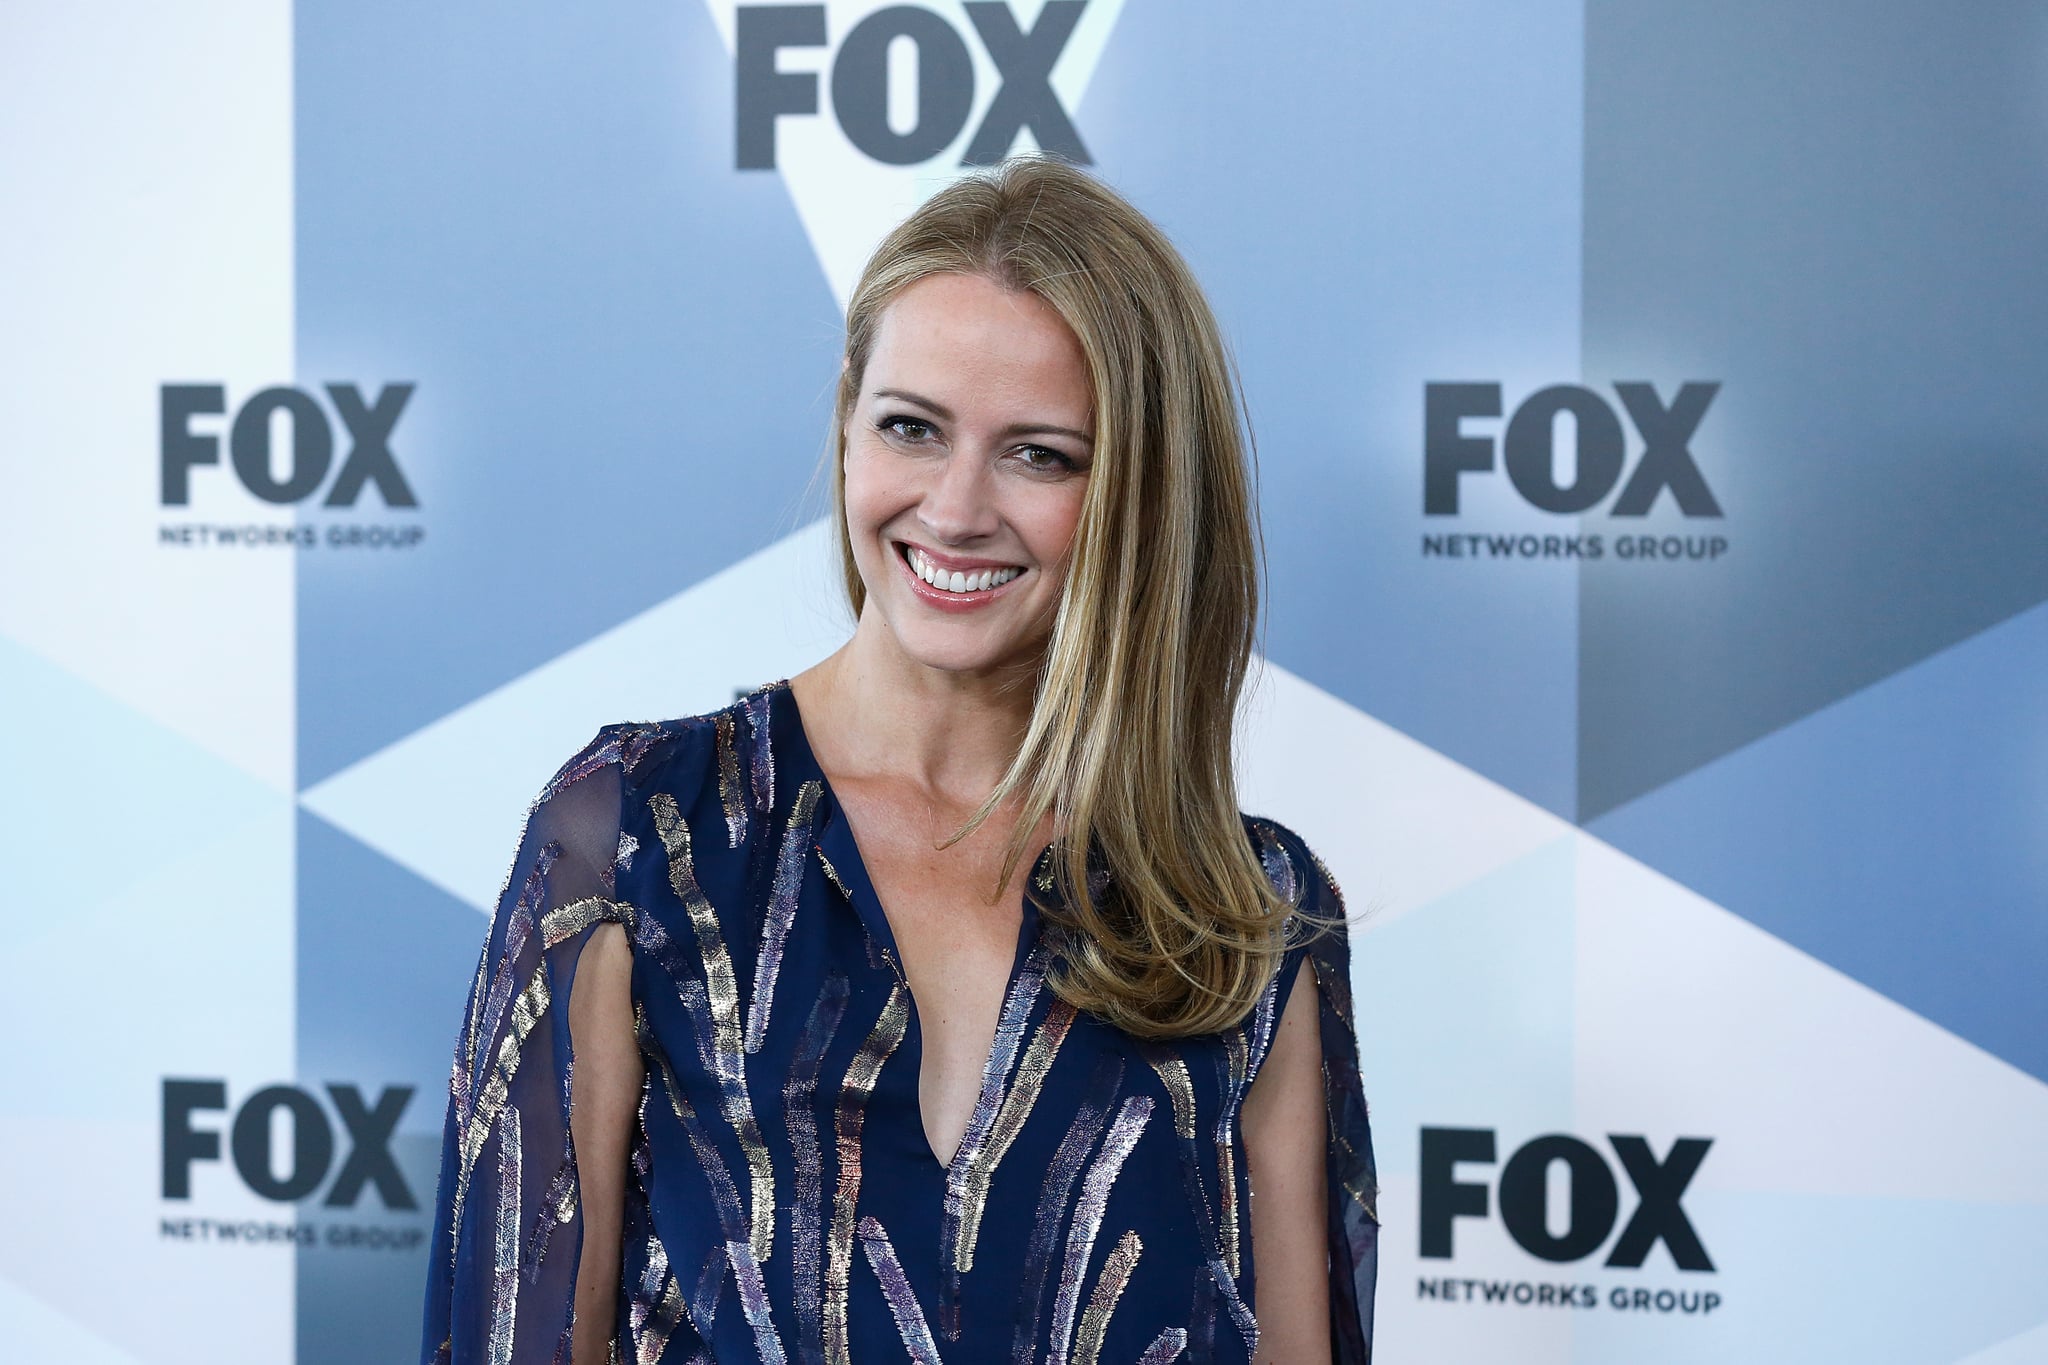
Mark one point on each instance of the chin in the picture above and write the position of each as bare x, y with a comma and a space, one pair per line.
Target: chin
960, 656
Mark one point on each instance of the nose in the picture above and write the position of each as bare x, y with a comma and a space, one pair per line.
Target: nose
959, 504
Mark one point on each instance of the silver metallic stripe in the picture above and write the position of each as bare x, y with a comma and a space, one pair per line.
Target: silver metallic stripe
505, 1259
789, 881
1017, 1105
710, 1285
657, 1306
557, 1207
1095, 1187
761, 753
806, 1214
527, 1011
964, 1172
754, 1301
1166, 1347
1278, 865
1060, 1175
903, 1305
518, 928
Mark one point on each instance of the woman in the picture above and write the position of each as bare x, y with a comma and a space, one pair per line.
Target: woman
939, 1003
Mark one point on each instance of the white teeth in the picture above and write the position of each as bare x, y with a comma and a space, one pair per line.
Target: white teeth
946, 581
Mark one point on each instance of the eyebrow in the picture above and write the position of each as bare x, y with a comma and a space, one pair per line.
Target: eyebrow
944, 414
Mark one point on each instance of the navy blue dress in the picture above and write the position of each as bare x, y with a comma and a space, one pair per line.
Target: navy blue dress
783, 1203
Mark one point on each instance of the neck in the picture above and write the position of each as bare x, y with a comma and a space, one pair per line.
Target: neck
873, 712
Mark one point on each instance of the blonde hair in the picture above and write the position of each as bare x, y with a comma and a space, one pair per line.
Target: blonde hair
1129, 740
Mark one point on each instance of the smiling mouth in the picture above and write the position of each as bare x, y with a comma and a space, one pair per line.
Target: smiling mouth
955, 580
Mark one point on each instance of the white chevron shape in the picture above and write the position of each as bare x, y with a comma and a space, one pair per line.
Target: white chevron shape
847, 200
447, 801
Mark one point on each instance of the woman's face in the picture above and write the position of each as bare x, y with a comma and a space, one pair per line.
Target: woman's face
967, 454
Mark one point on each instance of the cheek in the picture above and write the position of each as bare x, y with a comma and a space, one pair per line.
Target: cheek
872, 497
1049, 522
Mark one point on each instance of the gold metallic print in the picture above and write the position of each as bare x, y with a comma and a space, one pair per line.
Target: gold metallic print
488, 1002
526, 1013
1226, 1148
566, 921
565, 1198
852, 1110
832, 874
1226, 1178
661, 1323
723, 986
725, 1200
657, 1305
1359, 1183
729, 794
1024, 1092
973, 1152
556, 1206
1109, 1287
1173, 1074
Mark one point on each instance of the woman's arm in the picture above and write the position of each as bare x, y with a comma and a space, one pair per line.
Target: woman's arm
604, 1093
1286, 1140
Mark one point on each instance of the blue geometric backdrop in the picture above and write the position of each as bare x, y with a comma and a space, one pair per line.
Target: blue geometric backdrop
1721, 818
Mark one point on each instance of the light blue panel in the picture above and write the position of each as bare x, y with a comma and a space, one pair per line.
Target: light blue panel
1901, 835
624, 348
1377, 196
1465, 1014
139, 863
98, 795
1836, 209
36, 1331
1807, 1278
385, 961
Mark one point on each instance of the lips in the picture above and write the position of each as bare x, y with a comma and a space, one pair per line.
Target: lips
955, 583
946, 578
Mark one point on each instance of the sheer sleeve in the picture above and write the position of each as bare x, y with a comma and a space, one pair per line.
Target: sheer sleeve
507, 1231
1322, 944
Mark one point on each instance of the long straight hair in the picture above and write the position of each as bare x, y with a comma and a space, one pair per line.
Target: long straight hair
1129, 743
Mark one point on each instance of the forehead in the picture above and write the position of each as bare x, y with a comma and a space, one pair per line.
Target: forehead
965, 341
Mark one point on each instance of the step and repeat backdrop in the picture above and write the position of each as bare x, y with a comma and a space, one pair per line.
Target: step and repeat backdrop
1649, 406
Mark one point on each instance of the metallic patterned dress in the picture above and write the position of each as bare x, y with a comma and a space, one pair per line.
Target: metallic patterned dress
783, 1203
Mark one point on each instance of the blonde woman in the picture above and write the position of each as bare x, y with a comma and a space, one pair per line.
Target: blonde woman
939, 1002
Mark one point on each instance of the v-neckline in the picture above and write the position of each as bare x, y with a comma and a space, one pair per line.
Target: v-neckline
836, 842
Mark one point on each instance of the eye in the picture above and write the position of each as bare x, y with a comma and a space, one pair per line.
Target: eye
1045, 460
911, 430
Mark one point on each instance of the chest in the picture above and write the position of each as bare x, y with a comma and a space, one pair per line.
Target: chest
956, 936
925, 1134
